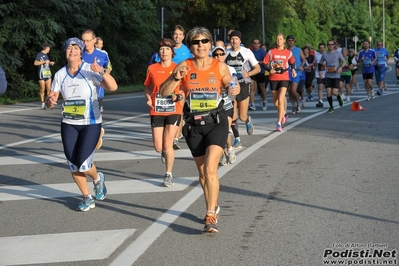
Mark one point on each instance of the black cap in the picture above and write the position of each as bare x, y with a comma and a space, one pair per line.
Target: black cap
235, 33
290, 37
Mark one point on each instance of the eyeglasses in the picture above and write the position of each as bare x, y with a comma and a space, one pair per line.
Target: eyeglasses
218, 54
291, 40
330, 44
196, 42
85, 41
256, 43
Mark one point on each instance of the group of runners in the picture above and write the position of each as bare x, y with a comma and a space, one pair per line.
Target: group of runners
190, 91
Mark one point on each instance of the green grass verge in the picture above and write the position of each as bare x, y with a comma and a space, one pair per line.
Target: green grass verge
122, 89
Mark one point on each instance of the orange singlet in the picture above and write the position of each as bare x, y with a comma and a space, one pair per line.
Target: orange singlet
203, 88
163, 106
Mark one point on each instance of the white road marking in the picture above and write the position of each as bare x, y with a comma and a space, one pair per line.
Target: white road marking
58, 248
46, 191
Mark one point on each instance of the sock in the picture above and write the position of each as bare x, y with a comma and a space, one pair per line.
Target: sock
167, 173
329, 99
211, 212
248, 119
279, 124
235, 131
98, 179
320, 101
88, 196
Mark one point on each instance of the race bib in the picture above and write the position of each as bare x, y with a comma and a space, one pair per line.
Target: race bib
331, 69
367, 62
74, 109
228, 104
164, 104
277, 64
239, 72
203, 101
46, 72
381, 59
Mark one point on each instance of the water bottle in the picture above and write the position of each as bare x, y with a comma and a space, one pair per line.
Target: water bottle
233, 83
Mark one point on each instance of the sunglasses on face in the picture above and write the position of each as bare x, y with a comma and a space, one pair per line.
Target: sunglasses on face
196, 42
218, 54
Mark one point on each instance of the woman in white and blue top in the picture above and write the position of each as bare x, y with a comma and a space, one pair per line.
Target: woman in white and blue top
81, 117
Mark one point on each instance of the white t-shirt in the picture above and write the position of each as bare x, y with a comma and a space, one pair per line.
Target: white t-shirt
317, 58
243, 59
79, 94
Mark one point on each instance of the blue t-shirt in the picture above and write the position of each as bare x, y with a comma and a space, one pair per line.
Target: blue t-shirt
181, 54
296, 51
367, 58
381, 55
102, 57
260, 55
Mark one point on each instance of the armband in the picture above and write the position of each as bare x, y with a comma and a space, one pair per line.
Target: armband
268, 67
174, 77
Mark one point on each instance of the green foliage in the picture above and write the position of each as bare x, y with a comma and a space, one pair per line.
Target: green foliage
130, 28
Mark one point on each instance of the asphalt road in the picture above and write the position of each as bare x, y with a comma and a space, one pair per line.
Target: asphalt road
322, 190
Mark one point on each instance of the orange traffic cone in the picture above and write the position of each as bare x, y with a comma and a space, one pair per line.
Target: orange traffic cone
355, 106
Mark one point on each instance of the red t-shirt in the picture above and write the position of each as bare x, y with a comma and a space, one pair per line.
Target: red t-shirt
279, 59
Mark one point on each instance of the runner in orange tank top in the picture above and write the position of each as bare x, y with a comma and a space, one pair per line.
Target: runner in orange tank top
165, 111
206, 128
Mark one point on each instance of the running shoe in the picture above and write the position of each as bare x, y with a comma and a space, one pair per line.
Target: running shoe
368, 97
348, 98
100, 139
210, 223
385, 86
223, 160
163, 157
340, 101
343, 96
285, 119
86, 204
310, 97
175, 144
99, 188
237, 144
264, 106
298, 109
217, 210
303, 102
331, 110
252, 107
379, 93
231, 157
43, 106
372, 94
319, 104
279, 128
294, 110
250, 127
168, 180
101, 109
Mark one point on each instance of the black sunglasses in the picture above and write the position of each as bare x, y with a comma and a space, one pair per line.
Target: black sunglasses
218, 54
196, 42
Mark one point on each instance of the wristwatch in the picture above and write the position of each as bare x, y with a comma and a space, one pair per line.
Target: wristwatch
103, 72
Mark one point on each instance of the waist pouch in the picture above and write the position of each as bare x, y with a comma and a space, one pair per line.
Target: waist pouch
203, 119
